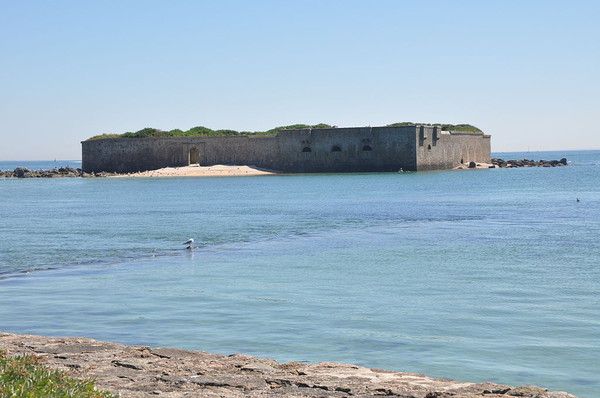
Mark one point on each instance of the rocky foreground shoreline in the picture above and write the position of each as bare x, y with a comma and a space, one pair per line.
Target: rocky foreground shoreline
23, 172
139, 371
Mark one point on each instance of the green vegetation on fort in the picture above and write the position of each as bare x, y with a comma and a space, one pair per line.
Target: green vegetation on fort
26, 376
447, 127
200, 131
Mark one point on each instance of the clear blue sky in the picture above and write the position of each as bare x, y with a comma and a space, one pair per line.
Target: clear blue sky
527, 72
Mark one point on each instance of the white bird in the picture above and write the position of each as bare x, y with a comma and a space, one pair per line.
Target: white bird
189, 243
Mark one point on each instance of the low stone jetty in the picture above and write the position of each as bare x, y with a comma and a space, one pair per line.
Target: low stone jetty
140, 371
24, 172
528, 163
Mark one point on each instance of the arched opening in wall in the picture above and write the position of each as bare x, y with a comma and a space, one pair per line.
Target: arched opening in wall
194, 156
367, 148
306, 149
336, 148
429, 147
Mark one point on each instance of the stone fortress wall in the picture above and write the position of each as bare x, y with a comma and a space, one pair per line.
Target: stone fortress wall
352, 149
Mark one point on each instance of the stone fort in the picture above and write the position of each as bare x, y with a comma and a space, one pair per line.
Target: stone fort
318, 150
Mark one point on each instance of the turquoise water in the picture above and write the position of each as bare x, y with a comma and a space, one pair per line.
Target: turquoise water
474, 275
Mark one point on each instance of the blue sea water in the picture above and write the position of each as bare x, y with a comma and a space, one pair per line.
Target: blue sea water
474, 275
38, 164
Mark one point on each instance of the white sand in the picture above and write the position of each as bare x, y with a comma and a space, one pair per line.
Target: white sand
479, 166
218, 170
221, 170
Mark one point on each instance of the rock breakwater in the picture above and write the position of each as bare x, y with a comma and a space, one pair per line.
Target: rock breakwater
140, 371
528, 163
24, 172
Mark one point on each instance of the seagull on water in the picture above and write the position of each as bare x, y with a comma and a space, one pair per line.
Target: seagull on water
189, 243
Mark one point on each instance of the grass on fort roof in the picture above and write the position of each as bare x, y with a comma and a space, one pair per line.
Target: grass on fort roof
447, 127
200, 131
27, 376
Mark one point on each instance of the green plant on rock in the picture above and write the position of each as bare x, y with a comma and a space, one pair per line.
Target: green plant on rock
28, 377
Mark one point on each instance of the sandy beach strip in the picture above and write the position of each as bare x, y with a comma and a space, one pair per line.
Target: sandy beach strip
218, 170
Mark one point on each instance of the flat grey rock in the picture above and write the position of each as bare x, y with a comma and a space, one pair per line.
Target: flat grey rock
138, 371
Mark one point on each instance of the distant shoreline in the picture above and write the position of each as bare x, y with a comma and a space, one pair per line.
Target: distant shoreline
221, 170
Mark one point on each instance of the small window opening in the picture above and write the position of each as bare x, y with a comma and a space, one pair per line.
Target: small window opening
367, 148
306, 149
429, 147
336, 149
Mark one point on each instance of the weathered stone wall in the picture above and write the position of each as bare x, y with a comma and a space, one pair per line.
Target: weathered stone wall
124, 155
358, 149
443, 150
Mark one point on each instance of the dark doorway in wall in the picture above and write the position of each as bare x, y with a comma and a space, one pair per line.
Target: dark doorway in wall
336, 149
306, 149
194, 156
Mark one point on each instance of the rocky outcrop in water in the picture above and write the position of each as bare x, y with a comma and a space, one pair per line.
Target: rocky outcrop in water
138, 371
528, 163
24, 172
